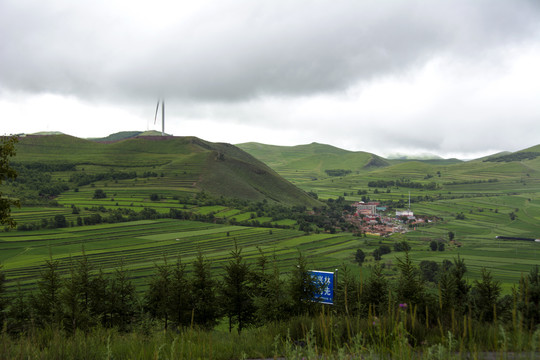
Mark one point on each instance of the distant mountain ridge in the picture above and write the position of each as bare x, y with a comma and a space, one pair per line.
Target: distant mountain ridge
232, 168
318, 166
266, 152
316, 160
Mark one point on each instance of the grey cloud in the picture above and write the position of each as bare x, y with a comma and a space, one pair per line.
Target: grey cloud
233, 51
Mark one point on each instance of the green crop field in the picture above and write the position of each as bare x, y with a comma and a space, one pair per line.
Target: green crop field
142, 244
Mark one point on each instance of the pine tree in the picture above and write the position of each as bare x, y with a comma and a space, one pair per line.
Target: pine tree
271, 301
347, 295
206, 309
447, 293
99, 299
259, 277
19, 312
157, 297
302, 288
180, 301
237, 291
122, 298
83, 276
4, 300
462, 288
46, 303
375, 293
76, 295
71, 302
410, 287
529, 297
485, 296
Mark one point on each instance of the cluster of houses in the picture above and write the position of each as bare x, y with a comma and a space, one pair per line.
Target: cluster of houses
371, 218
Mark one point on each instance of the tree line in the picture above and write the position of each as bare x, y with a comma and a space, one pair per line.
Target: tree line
87, 297
440, 293
337, 172
403, 183
326, 218
248, 295
517, 156
83, 178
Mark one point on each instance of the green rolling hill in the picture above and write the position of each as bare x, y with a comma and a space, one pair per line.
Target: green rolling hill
311, 161
307, 165
187, 164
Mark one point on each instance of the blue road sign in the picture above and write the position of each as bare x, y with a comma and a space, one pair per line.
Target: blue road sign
325, 284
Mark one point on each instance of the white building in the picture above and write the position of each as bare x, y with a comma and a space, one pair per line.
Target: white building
407, 213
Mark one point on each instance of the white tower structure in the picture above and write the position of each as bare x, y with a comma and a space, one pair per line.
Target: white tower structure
162, 116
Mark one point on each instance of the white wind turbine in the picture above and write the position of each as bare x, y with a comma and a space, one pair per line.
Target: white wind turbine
162, 116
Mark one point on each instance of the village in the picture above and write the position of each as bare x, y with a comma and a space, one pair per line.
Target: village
372, 218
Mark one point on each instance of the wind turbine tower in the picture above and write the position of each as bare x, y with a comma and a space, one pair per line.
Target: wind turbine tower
162, 116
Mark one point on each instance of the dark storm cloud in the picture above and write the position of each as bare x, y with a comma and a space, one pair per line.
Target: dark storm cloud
237, 50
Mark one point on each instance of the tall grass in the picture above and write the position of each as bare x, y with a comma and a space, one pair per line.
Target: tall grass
103, 343
397, 335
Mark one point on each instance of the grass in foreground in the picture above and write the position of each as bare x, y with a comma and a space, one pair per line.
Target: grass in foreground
321, 337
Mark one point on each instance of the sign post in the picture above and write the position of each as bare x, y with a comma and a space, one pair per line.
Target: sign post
325, 285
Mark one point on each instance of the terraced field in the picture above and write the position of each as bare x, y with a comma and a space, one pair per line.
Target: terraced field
141, 244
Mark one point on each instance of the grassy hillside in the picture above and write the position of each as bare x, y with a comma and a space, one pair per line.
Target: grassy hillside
308, 162
186, 163
306, 165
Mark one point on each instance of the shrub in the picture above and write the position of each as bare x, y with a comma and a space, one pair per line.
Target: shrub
99, 194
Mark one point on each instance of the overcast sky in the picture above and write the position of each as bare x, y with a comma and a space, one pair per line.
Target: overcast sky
456, 78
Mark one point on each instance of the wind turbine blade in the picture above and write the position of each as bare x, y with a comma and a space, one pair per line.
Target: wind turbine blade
157, 108
162, 117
